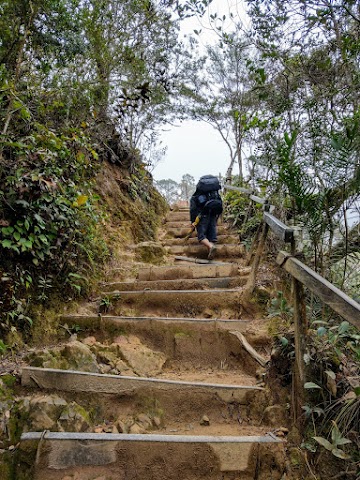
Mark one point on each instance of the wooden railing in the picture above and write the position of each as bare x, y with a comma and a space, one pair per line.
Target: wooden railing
301, 276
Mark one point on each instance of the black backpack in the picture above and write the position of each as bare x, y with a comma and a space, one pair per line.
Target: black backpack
208, 198
208, 183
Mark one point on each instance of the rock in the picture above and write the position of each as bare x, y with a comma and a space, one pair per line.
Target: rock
207, 313
76, 476
41, 421
121, 426
74, 418
105, 368
141, 359
144, 421
260, 373
244, 271
107, 357
137, 429
205, 421
114, 429
124, 369
275, 415
121, 340
98, 430
150, 252
47, 359
80, 357
44, 411
263, 294
89, 341
157, 422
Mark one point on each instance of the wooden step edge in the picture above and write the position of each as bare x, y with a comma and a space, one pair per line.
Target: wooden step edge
115, 318
128, 437
208, 283
174, 281
222, 291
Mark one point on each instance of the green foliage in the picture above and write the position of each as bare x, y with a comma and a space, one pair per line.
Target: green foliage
3, 347
337, 338
49, 219
105, 304
337, 440
279, 307
242, 214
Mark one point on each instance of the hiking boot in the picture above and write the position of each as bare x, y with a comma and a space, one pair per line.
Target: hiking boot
212, 252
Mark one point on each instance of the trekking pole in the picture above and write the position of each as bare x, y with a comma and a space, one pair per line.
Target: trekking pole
193, 226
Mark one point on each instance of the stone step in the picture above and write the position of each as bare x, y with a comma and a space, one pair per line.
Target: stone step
181, 215
221, 239
171, 457
180, 230
178, 284
174, 272
186, 341
187, 303
222, 251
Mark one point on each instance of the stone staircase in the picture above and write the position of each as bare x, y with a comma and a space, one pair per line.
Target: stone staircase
184, 401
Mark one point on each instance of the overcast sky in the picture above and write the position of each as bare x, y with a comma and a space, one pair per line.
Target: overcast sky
196, 148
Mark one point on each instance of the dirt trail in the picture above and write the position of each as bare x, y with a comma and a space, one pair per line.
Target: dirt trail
167, 389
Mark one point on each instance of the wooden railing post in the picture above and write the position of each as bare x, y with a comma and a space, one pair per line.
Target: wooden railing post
300, 332
250, 284
253, 246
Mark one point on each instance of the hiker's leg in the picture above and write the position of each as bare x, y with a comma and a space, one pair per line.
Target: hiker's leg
202, 230
206, 242
202, 227
211, 236
211, 229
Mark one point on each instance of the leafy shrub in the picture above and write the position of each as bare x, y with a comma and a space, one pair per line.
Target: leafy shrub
48, 218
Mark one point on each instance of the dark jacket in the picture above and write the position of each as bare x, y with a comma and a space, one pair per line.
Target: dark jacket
195, 209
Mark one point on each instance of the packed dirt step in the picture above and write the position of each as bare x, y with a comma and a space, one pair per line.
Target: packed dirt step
173, 272
61, 456
175, 325
221, 239
215, 302
182, 277
180, 284
179, 216
182, 229
217, 344
197, 250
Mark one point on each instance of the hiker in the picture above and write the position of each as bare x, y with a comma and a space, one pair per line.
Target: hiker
205, 208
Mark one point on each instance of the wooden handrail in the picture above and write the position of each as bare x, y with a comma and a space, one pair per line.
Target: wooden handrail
257, 199
237, 189
279, 228
326, 291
